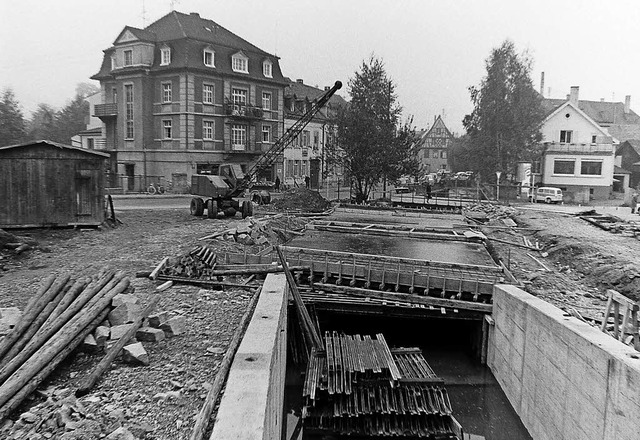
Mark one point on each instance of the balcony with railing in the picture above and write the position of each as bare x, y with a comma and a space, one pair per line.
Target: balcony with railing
105, 110
243, 111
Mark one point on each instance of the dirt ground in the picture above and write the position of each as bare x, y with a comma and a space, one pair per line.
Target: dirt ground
160, 401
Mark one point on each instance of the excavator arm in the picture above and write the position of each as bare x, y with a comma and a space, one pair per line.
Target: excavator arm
271, 155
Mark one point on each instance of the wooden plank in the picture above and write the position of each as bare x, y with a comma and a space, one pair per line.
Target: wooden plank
410, 298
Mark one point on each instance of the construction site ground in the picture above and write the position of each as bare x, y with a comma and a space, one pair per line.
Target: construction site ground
161, 400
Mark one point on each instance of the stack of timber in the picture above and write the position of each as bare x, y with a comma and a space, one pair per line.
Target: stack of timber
356, 386
56, 321
201, 266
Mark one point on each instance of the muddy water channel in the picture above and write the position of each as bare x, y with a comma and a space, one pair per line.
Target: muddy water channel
448, 344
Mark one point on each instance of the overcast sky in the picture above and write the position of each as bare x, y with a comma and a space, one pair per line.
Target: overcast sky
433, 50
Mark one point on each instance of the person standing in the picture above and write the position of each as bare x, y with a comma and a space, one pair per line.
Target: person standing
277, 183
634, 202
307, 181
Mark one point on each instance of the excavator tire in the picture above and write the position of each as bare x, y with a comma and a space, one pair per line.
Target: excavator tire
247, 209
212, 208
197, 206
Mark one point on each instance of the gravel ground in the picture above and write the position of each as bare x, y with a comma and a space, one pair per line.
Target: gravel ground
160, 401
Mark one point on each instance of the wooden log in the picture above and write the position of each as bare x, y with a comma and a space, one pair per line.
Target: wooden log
164, 286
34, 307
158, 268
35, 325
15, 401
31, 386
89, 381
94, 291
308, 326
143, 274
56, 343
408, 298
66, 301
202, 421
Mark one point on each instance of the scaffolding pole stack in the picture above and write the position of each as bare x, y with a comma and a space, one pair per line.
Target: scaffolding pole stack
357, 386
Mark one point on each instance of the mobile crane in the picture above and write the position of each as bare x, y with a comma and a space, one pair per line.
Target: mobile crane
222, 190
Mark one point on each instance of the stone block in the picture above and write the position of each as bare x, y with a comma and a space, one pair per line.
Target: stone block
122, 298
150, 334
174, 326
124, 313
158, 319
10, 315
135, 354
121, 434
101, 335
117, 331
89, 345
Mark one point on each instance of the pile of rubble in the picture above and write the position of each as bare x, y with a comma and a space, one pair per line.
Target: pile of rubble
301, 200
255, 235
491, 214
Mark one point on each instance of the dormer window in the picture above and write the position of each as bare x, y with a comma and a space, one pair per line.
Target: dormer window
128, 57
209, 57
240, 63
165, 56
267, 68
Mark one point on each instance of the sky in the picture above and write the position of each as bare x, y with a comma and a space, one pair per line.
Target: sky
432, 50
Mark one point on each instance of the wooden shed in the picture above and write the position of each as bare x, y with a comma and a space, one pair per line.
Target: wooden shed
43, 183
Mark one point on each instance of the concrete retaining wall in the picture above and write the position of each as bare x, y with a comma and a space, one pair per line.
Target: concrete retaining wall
566, 379
252, 404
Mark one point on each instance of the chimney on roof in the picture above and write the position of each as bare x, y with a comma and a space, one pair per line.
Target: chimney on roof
542, 84
627, 104
327, 88
195, 14
601, 99
300, 81
573, 96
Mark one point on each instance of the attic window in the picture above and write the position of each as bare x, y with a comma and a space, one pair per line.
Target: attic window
267, 69
165, 56
128, 57
568, 115
209, 57
240, 63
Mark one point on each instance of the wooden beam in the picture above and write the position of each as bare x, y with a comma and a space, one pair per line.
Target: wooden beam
410, 298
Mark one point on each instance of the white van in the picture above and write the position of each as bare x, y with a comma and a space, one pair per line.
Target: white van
548, 194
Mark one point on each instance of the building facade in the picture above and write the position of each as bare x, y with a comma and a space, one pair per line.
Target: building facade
183, 96
433, 150
579, 154
307, 155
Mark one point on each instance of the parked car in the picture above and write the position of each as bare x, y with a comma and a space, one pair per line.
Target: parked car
548, 194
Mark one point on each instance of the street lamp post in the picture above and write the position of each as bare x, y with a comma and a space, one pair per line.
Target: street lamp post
498, 174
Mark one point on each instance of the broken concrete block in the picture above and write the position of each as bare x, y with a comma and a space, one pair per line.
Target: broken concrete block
174, 326
135, 354
158, 319
101, 334
150, 334
89, 345
124, 313
246, 239
122, 298
117, 331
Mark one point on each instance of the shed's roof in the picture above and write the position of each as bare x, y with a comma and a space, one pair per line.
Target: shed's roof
53, 144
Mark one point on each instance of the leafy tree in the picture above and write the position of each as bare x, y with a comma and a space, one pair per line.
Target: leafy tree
71, 120
12, 124
460, 154
42, 123
86, 89
504, 127
374, 145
